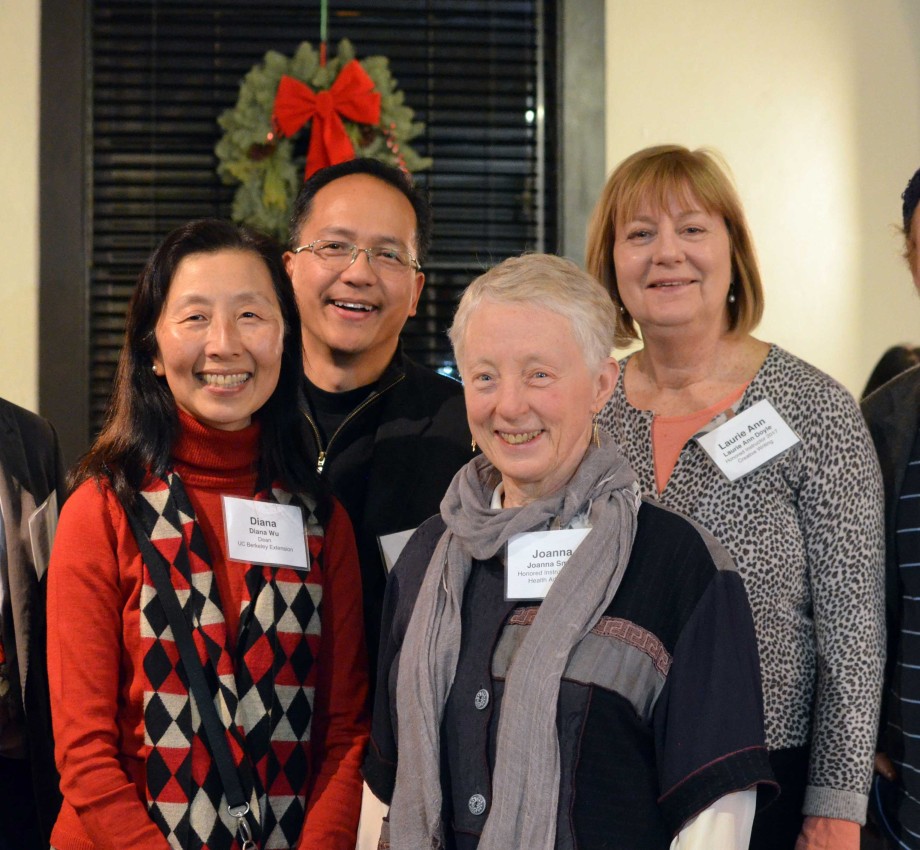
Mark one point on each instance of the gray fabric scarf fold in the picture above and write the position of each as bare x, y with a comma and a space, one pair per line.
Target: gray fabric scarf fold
525, 779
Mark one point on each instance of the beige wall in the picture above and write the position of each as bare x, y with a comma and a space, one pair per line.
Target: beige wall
816, 107
19, 50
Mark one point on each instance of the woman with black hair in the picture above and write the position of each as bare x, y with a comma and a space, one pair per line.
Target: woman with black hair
238, 721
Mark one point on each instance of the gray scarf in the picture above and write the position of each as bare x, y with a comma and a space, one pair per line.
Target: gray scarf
525, 781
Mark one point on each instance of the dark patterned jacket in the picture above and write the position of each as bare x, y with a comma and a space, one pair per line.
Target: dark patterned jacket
893, 415
659, 711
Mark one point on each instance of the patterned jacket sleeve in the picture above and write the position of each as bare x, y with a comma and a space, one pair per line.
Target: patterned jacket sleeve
840, 509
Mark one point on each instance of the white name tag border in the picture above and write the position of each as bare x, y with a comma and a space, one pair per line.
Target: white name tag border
536, 558
749, 440
264, 533
391, 546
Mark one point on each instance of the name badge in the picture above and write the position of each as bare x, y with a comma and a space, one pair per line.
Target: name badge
748, 440
536, 558
391, 546
42, 526
265, 533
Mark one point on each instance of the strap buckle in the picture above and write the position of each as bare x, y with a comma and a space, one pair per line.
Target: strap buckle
242, 826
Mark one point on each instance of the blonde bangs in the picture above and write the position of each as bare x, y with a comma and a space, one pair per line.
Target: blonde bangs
689, 178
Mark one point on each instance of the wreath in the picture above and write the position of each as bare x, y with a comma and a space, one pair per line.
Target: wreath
263, 152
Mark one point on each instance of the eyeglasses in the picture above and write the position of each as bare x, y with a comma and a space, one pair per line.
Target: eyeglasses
338, 256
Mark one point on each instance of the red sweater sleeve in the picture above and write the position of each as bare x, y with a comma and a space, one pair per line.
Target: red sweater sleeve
87, 667
340, 721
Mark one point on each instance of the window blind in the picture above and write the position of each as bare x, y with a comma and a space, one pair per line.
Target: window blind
481, 75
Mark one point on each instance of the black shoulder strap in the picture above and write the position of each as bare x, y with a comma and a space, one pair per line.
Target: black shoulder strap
214, 729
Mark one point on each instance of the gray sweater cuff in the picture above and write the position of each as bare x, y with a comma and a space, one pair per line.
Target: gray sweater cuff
832, 803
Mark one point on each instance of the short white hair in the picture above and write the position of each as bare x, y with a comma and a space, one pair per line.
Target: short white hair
549, 283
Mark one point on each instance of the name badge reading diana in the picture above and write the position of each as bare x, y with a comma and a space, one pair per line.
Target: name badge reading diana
748, 440
265, 533
536, 558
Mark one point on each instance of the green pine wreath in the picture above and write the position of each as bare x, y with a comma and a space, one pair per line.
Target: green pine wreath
252, 154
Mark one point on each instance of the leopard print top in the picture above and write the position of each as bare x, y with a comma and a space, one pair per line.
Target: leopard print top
806, 534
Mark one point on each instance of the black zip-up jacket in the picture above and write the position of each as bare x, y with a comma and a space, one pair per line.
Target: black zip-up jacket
420, 440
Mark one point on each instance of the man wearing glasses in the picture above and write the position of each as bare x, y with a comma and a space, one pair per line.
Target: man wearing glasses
389, 434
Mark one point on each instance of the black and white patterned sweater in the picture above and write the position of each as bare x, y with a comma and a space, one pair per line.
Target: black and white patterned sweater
806, 534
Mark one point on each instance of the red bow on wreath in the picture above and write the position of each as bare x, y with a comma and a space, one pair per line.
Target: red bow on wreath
351, 96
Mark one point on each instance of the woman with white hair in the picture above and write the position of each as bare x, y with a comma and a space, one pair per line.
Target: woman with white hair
562, 664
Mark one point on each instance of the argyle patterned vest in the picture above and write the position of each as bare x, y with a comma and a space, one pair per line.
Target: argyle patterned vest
263, 692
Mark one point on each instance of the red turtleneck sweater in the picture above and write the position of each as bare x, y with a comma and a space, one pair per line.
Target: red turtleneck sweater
94, 655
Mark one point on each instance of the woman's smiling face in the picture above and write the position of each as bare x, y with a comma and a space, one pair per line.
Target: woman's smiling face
530, 396
220, 336
674, 266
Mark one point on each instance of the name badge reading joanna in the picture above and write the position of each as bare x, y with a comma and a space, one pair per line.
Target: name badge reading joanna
748, 440
536, 558
265, 533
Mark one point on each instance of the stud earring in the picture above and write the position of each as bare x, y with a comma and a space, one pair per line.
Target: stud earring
155, 370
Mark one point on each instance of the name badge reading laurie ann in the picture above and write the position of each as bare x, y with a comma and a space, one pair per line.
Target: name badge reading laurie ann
748, 440
536, 558
265, 533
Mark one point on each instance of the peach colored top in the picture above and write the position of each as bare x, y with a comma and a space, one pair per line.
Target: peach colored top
671, 433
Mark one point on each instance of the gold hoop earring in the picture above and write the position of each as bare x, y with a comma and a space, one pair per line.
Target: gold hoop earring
596, 432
